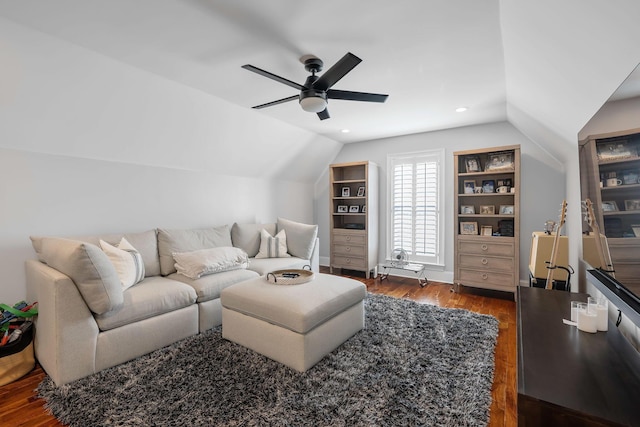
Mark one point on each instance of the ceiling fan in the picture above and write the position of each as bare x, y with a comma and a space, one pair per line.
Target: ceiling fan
315, 91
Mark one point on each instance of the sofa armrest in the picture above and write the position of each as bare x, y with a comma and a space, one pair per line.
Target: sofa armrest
66, 332
315, 257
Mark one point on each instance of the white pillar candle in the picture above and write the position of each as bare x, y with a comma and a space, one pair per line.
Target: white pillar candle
587, 322
574, 311
603, 319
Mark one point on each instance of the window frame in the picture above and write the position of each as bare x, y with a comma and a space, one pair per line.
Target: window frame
393, 159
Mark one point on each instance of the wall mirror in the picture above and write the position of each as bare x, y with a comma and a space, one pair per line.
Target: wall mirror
609, 149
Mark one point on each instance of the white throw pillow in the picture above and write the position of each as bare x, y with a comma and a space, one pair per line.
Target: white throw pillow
127, 261
196, 264
273, 247
301, 238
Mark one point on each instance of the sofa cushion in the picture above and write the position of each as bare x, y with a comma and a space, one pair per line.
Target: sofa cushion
149, 298
171, 241
89, 268
265, 265
146, 243
126, 260
247, 236
208, 261
273, 246
301, 238
209, 287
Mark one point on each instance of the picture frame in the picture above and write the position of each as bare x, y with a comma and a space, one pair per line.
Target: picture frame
469, 228
343, 208
500, 161
488, 186
505, 182
364, 209
487, 210
472, 164
346, 192
354, 209
467, 210
636, 229
632, 205
609, 206
360, 191
507, 210
615, 150
486, 230
469, 186
630, 177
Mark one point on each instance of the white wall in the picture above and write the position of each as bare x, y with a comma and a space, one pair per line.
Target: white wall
91, 145
542, 179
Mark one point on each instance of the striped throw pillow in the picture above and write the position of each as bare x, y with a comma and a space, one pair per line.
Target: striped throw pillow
273, 247
126, 260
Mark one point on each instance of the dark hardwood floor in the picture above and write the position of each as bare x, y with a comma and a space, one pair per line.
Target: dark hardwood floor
19, 405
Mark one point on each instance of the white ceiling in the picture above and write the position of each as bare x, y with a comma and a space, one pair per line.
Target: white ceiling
429, 56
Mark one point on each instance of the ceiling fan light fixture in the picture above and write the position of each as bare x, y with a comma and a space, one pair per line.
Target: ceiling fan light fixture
313, 101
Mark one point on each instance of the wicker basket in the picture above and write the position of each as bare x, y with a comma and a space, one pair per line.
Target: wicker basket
290, 277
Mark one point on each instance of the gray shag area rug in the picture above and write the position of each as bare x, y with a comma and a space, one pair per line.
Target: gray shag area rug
413, 364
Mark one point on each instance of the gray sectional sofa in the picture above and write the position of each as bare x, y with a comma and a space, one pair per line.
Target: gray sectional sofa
88, 321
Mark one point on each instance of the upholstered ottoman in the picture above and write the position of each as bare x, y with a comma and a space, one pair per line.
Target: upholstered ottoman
296, 325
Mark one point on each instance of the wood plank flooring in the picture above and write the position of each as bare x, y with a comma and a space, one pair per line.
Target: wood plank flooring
19, 405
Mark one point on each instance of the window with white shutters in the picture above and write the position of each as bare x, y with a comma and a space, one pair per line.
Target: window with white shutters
415, 205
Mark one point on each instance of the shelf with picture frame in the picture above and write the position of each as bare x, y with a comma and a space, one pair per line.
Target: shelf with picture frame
483, 231
353, 188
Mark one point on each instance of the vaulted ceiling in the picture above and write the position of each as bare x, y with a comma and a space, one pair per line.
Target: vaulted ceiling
540, 64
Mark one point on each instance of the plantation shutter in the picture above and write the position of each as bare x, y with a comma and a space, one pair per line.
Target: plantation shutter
415, 211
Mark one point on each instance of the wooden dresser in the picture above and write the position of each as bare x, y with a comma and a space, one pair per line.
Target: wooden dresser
487, 218
354, 216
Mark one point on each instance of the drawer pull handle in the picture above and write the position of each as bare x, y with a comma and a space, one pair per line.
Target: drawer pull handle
484, 276
348, 249
485, 261
348, 238
348, 260
484, 247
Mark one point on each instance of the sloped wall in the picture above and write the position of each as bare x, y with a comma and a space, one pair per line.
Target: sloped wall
91, 145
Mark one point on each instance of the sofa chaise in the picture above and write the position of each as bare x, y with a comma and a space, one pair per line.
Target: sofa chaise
89, 320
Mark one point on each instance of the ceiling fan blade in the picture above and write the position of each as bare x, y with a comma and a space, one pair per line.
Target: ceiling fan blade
356, 96
273, 76
337, 71
279, 101
324, 114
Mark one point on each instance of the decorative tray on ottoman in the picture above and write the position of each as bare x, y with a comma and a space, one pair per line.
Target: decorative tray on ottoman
291, 276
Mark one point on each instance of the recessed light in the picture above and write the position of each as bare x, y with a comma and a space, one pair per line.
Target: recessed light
461, 109
345, 131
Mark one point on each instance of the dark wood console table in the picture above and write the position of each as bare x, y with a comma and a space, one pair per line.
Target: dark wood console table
567, 377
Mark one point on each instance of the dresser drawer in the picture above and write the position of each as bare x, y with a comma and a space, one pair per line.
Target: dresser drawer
350, 239
349, 250
484, 278
485, 262
486, 248
348, 262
